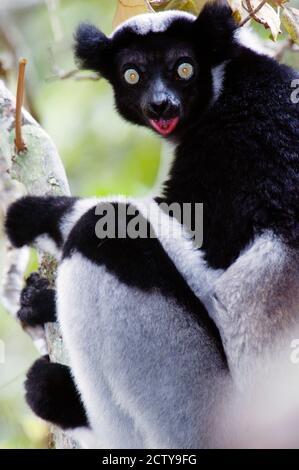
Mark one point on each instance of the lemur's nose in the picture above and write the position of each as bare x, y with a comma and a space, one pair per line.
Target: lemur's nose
158, 108
164, 108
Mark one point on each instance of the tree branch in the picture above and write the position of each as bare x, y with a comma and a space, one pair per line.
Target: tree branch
252, 11
20, 145
39, 171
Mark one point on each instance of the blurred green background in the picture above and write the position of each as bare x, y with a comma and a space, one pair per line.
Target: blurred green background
102, 154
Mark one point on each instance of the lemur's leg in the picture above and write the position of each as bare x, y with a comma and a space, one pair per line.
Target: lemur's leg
50, 389
37, 302
45, 222
144, 353
52, 395
156, 355
255, 307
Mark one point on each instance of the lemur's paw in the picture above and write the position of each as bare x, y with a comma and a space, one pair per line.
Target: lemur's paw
52, 395
37, 302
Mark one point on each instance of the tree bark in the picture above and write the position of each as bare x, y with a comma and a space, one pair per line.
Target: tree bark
39, 171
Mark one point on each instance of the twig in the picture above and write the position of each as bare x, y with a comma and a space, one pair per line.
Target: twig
16, 262
252, 13
74, 74
157, 2
148, 4
20, 145
57, 30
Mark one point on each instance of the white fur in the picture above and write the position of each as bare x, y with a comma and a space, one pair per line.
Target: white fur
248, 38
71, 217
137, 356
171, 234
256, 304
173, 237
46, 244
152, 22
218, 74
180, 248
136, 395
129, 389
85, 437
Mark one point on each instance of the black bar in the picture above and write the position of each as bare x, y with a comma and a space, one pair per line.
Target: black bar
148, 458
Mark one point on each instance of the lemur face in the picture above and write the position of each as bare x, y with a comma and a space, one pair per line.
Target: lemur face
156, 82
161, 64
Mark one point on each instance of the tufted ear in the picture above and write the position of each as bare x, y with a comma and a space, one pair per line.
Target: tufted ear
92, 49
214, 31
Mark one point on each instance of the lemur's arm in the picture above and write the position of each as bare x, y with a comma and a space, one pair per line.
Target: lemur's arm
46, 222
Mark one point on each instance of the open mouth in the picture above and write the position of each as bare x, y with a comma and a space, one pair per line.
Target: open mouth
164, 126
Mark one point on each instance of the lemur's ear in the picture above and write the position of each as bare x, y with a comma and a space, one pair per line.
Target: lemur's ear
92, 48
214, 31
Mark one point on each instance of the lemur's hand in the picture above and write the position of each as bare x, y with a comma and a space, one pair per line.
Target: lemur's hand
37, 302
25, 220
33, 219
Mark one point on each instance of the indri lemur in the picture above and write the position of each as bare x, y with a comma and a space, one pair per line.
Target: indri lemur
138, 315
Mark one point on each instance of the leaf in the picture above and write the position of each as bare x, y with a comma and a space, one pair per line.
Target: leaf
128, 8
200, 4
268, 17
239, 12
278, 2
185, 5
290, 21
191, 6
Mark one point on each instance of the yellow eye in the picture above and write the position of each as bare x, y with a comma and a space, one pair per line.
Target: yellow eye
185, 71
132, 76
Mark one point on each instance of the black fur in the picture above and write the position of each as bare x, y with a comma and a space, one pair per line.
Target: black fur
240, 156
31, 216
92, 48
213, 34
204, 42
37, 302
244, 156
52, 395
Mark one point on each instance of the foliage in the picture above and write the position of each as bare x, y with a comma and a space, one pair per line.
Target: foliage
272, 14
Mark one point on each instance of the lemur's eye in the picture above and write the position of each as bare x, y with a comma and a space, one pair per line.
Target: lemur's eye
132, 76
185, 71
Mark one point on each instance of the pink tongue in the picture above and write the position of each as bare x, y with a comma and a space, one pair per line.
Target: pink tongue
164, 126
